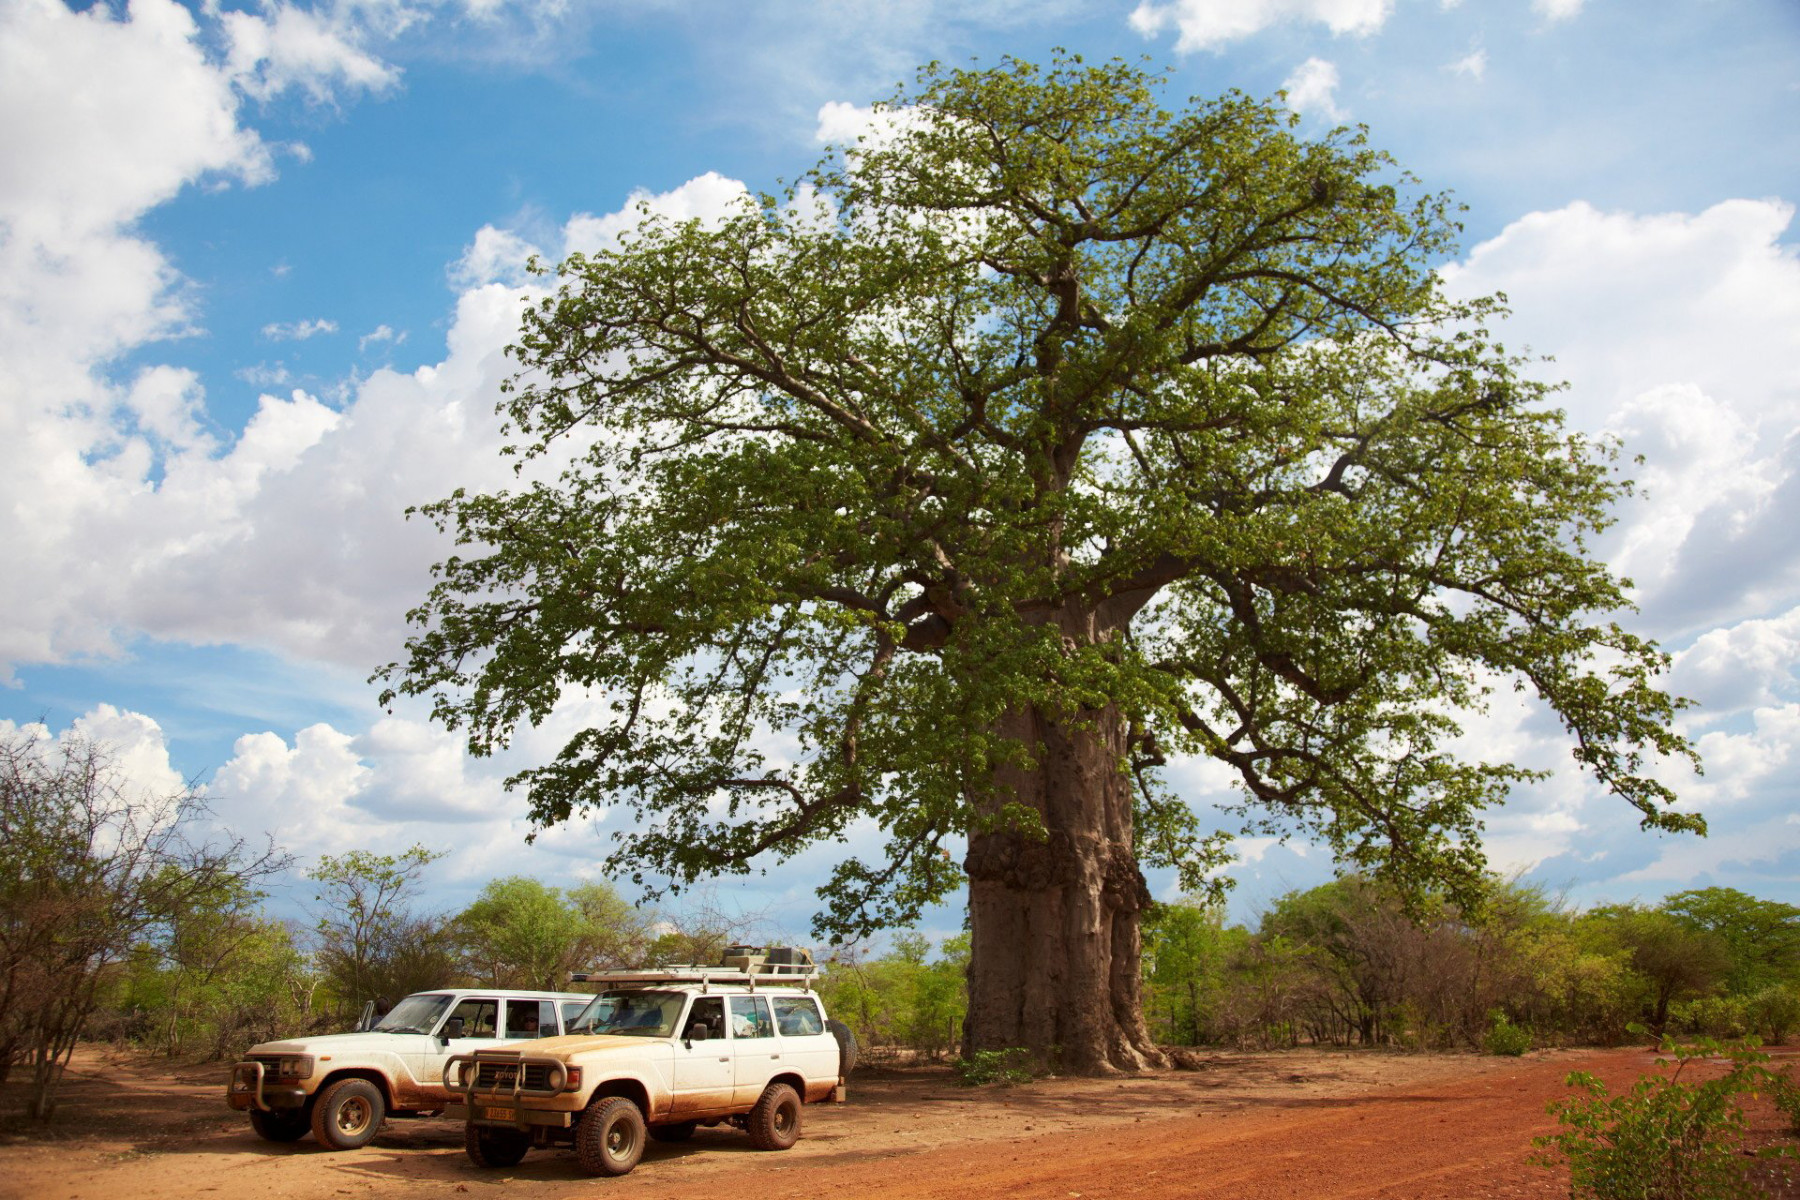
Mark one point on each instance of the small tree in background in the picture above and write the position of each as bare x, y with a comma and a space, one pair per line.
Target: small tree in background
1187, 949
221, 983
92, 866
1672, 959
904, 999
522, 933
208, 954
698, 931
1762, 937
370, 943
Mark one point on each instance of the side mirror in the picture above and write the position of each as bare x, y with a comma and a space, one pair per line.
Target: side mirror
453, 1028
697, 1033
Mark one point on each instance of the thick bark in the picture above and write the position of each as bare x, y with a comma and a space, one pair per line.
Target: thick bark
1054, 922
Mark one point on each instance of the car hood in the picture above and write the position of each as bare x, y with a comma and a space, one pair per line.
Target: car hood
349, 1043
569, 1045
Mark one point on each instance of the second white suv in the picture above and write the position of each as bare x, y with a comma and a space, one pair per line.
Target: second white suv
657, 1056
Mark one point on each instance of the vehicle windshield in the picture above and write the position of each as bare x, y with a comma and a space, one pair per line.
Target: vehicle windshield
635, 1014
415, 1014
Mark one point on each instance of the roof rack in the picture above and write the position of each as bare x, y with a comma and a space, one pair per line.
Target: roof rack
739, 965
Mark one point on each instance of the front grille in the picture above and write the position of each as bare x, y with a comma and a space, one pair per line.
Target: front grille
500, 1075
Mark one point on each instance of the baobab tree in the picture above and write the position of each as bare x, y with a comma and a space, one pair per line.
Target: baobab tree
1038, 438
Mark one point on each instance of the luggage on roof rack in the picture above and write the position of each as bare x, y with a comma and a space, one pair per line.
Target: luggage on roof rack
739, 964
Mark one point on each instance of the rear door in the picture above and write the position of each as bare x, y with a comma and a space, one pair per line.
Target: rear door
806, 1045
755, 1051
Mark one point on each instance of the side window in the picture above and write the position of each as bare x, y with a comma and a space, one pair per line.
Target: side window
708, 1011
570, 1010
797, 1016
530, 1018
750, 1018
479, 1017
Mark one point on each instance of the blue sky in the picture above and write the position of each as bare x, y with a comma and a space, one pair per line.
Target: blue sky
258, 263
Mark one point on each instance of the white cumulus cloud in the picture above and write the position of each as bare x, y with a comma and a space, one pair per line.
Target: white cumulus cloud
292, 537
1679, 333
495, 256
318, 51
1312, 88
1210, 24
1556, 10
298, 331
1751, 663
379, 335
1472, 64
708, 197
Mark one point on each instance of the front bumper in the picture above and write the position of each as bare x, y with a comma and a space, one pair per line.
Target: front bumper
507, 1103
516, 1117
251, 1088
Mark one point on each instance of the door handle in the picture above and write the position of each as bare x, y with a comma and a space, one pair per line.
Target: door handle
726, 1058
773, 1057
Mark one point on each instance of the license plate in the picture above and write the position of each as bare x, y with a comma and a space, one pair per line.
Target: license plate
496, 1114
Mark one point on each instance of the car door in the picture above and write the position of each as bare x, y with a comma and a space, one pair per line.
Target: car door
755, 1054
806, 1045
703, 1078
480, 1016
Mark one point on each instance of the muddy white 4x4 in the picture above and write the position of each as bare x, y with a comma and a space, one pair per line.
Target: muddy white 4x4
341, 1086
657, 1055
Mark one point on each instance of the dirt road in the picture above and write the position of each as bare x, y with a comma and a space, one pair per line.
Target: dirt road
1304, 1124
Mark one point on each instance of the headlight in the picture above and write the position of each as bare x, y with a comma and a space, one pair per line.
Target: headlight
296, 1066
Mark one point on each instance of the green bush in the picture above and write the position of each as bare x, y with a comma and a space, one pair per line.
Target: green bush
1786, 1094
1665, 1139
1505, 1038
1714, 1017
1776, 1012
1004, 1067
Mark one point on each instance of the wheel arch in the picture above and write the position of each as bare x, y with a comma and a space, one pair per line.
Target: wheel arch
624, 1085
792, 1080
378, 1078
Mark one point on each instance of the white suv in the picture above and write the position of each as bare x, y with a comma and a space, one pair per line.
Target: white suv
340, 1086
657, 1056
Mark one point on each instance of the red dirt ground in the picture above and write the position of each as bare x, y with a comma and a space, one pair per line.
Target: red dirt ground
1310, 1125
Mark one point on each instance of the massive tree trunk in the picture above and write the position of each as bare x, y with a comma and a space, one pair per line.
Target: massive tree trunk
1055, 942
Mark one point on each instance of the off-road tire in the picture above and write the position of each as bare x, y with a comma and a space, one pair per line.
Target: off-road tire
347, 1114
610, 1137
490, 1147
288, 1125
846, 1041
681, 1131
774, 1124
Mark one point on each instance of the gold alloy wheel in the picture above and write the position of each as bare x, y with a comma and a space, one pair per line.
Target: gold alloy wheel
619, 1140
353, 1116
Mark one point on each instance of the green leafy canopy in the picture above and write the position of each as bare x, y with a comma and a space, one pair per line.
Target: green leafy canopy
1040, 396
